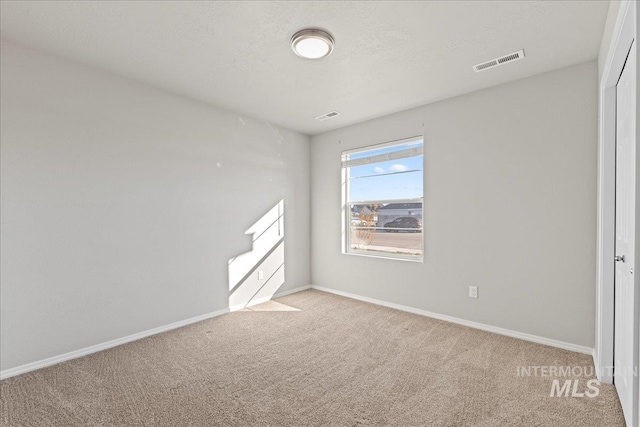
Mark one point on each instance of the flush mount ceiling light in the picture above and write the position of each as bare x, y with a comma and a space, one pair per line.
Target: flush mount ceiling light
312, 43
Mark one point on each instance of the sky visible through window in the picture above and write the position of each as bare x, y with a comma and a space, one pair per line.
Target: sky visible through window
393, 179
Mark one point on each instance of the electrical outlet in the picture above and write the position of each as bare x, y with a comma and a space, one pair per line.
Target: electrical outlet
473, 292
260, 274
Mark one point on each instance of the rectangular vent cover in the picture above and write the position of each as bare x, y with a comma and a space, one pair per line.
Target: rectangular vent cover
499, 61
327, 116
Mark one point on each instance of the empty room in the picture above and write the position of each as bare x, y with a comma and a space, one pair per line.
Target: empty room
319, 213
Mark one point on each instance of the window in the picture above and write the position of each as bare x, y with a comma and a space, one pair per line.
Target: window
382, 200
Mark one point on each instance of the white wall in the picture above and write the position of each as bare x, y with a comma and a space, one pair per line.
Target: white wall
510, 206
121, 204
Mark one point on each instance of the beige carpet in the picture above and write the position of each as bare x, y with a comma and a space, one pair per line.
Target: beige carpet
310, 358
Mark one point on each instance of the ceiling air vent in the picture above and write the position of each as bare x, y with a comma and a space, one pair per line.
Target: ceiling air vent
499, 61
327, 116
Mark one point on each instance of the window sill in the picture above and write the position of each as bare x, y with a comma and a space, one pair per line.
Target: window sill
389, 256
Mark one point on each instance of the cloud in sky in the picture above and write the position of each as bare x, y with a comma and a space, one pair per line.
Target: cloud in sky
378, 169
398, 168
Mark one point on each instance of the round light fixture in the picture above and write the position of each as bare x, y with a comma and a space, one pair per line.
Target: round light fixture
312, 44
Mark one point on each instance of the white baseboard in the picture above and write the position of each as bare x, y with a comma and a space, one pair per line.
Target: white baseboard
265, 299
496, 330
7, 373
292, 291
105, 345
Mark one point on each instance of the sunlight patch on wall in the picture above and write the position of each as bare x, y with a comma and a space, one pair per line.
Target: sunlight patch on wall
255, 276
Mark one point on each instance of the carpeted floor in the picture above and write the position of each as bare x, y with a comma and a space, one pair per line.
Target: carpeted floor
310, 358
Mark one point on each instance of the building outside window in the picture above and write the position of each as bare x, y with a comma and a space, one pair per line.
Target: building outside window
383, 200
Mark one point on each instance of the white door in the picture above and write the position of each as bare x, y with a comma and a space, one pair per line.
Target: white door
626, 296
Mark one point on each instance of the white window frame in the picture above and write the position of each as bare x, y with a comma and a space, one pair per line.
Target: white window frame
346, 203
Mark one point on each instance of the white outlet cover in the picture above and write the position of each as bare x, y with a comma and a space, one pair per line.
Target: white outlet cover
473, 292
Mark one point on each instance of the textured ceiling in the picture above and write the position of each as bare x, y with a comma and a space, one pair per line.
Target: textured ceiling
389, 56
